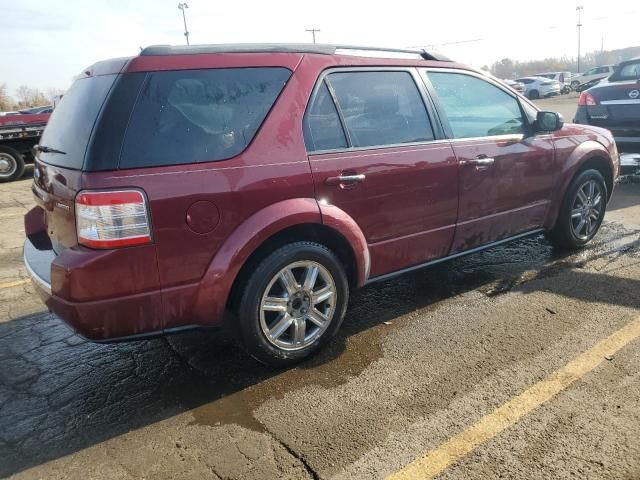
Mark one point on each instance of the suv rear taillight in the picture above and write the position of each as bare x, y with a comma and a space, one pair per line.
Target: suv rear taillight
587, 99
112, 219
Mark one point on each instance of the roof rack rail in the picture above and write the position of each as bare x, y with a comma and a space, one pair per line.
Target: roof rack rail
317, 48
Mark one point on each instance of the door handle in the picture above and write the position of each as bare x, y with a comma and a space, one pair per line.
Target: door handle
345, 179
480, 161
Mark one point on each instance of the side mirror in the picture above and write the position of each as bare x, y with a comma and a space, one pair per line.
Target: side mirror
549, 121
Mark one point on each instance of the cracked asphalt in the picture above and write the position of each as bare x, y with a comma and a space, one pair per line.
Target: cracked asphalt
419, 359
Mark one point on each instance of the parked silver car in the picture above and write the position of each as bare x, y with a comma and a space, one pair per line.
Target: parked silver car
540, 87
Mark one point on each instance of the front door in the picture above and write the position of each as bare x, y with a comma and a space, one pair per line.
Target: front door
373, 154
505, 175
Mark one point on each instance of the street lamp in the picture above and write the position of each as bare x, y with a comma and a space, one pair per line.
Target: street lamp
183, 6
579, 9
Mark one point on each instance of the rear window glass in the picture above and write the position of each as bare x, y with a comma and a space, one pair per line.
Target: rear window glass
630, 71
71, 123
381, 108
322, 127
191, 116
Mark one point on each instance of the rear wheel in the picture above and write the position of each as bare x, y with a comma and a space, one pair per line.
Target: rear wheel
11, 164
292, 304
582, 211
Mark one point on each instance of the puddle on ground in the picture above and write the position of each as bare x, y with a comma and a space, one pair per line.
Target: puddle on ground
345, 358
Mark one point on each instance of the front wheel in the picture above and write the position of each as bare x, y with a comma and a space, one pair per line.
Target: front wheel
292, 304
534, 95
582, 211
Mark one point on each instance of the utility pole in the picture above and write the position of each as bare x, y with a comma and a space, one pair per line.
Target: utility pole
579, 9
183, 6
313, 32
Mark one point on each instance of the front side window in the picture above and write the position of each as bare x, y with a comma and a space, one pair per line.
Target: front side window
191, 116
475, 107
381, 108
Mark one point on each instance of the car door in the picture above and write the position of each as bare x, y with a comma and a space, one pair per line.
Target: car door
505, 174
376, 154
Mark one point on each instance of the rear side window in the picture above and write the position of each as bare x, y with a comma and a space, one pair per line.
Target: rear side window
191, 116
475, 107
322, 128
381, 108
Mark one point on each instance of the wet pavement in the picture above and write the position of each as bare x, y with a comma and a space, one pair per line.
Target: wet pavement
419, 358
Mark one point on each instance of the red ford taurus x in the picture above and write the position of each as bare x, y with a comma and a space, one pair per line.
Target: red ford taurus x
266, 181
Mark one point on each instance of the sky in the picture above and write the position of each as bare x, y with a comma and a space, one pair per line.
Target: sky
44, 43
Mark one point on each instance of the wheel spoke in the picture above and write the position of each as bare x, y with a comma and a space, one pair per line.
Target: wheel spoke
588, 222
299, 331
576, 213
596, 201
594, 213
310, 277
289, 281
322, 295
580, 225
591, 190
582, 196
316, 317
275, 304
282, 325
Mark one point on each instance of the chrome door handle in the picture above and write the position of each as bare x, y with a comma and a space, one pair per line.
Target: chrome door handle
348, 179
480, 162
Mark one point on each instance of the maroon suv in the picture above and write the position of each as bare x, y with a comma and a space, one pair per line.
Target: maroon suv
265, 181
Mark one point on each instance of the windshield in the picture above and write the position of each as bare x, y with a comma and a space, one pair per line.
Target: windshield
72, 121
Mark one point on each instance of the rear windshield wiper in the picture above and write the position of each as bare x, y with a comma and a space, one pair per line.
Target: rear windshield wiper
45, 149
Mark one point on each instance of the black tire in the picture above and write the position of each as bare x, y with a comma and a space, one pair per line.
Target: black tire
563, 235
575, 84
250, 324
534, 95
11, 164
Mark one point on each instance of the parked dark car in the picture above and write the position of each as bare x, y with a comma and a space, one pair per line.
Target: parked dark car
615, 104
258, 184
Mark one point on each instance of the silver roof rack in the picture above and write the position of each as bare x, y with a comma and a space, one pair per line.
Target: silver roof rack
317, 48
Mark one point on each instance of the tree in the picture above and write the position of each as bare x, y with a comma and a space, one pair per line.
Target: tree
30, 97
6, 102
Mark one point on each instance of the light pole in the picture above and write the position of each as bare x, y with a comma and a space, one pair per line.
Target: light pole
183, 6
313, 32
579, 9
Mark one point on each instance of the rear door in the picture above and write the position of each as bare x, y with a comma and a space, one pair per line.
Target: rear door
376, 154
505, 176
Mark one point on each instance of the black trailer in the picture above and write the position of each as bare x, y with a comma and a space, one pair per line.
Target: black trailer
16, 143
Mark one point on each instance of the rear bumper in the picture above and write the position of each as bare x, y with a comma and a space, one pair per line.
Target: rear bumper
98, 320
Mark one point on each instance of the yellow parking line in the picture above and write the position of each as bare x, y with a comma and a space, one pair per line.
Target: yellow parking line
457, 447
15, 283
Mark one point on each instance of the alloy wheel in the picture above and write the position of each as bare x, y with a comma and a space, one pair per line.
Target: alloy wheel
586, 208
298, 305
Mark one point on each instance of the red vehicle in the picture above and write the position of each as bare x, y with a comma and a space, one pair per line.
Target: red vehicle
258, 184
18, 134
